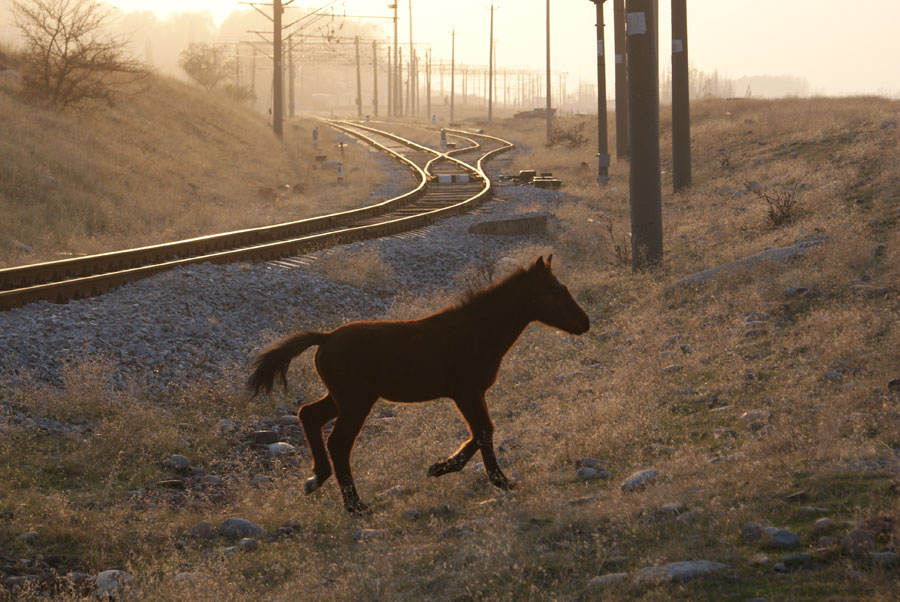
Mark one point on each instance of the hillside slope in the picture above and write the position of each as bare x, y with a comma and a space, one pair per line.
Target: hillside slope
167, 161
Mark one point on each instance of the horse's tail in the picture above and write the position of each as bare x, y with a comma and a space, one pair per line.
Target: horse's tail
273, 362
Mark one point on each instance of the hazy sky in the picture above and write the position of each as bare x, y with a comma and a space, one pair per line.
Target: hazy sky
839, 47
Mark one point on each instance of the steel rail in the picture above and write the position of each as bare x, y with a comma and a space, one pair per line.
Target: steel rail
253, 244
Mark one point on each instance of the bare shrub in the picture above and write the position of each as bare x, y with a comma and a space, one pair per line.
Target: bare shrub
208, 66
68, 58
571, 137
783, 203
621, 255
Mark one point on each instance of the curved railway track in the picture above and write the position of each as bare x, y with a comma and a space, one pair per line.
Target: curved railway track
450, 183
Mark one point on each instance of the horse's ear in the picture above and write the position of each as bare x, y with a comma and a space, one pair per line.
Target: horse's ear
549, 260
539, 263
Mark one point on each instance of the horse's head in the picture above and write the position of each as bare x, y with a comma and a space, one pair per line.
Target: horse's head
551, 301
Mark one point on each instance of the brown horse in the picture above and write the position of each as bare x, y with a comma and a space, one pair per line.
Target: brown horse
455, 353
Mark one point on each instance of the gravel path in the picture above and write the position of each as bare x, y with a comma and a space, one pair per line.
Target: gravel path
204, 322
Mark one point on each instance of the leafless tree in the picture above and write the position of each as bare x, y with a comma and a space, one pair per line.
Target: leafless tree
207, 65
68, 57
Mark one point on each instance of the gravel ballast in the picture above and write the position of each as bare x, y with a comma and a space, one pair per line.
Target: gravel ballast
204, 322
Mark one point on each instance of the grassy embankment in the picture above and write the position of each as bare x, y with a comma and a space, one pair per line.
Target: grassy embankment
167, 162
662, 381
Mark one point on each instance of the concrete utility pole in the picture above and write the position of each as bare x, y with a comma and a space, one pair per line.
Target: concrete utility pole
642, 47
428, 83
549, 119
390, 84
375, 78
602, 134
398, 102
491, 70
621, 80
278, 73
452, 73
358, 82
411, 81
291, 76
681, 99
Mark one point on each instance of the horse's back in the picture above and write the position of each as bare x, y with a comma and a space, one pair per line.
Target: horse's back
406, 361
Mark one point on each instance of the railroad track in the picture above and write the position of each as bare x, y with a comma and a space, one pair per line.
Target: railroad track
449, 183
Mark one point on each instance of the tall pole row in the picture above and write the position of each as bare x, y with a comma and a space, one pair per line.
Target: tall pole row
602, 134
621, 80
375, 78
397, 82
452, 73
645, 187
358, 83
491, 70
681, 102
277, 74
549, 119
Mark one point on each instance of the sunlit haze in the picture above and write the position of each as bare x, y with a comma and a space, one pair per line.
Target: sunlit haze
838, 51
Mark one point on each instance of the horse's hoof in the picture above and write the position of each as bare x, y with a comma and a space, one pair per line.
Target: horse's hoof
357, 507
311, 485
436, 469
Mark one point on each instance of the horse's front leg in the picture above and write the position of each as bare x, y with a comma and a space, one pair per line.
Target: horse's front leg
474, 410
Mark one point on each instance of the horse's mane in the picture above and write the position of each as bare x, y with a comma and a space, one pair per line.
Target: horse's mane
478, 297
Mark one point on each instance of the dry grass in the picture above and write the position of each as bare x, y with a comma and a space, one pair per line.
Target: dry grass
168, 162
820, 370
360, 269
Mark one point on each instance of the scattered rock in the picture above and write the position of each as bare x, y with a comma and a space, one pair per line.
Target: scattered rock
678, 571
585, 473
202, 530
588, 463
367, 534
858, 543
280, 448
30, 537
237, 528
604, 580
823, 525
640, 479
113, 584
672, 508
211, 480
177, 463
186, 577
265, 437
795, 291
752, 532
774, 255
784, 539
673, 368
886, 558
797, 560
225, 426
248, 544
393, 491
461, 530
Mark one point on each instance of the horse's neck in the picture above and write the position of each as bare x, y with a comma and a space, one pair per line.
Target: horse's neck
501, 318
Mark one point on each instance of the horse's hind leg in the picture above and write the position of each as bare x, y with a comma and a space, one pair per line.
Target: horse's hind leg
352, 415
474, 410
313, 417
455, 462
